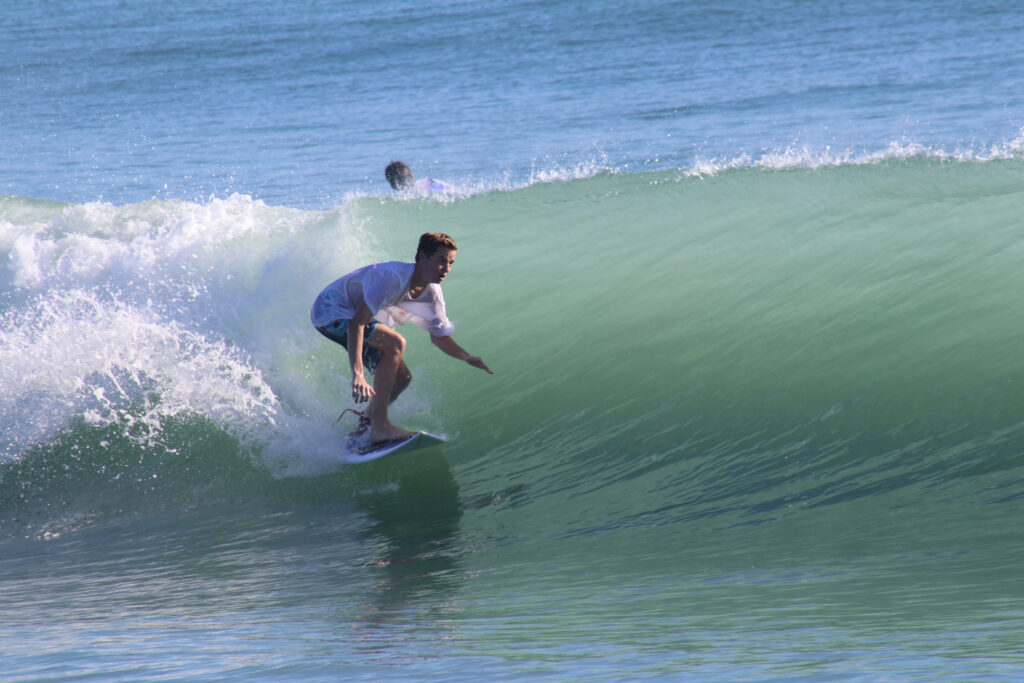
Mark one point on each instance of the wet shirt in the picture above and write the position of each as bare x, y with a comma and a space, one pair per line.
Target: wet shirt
384, 288
431, 186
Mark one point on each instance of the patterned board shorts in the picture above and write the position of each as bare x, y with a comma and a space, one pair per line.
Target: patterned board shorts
338, 332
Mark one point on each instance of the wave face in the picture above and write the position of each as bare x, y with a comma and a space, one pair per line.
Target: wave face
741, 343
756, 367
756, 345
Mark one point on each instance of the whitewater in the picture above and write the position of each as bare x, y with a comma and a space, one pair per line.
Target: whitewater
748, 277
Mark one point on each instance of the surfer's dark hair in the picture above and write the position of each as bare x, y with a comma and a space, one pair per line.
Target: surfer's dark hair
430, 242
398, 174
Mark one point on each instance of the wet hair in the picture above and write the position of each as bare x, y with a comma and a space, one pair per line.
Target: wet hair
398, 174
430, 242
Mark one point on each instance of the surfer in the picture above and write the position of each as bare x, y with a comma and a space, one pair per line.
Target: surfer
401, 178
360, 311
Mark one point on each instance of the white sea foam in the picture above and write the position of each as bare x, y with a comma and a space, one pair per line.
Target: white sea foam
133, 314
77, 356
797, 156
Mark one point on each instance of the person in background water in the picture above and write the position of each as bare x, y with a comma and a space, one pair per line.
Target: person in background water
401, 178
360, 311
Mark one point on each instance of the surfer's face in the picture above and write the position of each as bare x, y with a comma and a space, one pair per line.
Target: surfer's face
440, 263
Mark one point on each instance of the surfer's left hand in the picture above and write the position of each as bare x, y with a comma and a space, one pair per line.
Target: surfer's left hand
478, 362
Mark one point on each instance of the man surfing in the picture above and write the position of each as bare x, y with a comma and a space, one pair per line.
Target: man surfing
360, 311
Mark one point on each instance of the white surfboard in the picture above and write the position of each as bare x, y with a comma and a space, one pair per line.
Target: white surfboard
366, 453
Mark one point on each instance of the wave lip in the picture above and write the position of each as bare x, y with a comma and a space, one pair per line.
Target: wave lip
797, 156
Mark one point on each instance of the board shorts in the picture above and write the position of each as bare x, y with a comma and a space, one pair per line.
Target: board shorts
338, 332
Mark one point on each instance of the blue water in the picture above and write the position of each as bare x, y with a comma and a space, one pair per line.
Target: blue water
301, 106
748, 275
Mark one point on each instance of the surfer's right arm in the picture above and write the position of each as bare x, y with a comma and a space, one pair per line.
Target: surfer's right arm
361, 389
449, 346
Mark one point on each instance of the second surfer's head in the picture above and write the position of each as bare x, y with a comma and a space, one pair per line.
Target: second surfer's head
399, 175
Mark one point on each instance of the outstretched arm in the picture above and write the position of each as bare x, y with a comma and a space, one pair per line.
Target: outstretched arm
448, 345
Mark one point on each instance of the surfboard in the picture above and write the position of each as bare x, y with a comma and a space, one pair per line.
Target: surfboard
366, 453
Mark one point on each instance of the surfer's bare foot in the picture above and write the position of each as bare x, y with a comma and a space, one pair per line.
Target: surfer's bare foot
388, 432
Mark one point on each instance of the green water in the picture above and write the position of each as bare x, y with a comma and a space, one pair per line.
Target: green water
759, 424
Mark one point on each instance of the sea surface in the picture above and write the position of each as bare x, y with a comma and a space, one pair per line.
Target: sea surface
750, 275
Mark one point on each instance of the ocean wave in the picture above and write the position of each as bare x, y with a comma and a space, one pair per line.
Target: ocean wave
795, 156
753, 344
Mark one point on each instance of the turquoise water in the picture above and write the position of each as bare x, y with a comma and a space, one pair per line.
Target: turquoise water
756, 404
